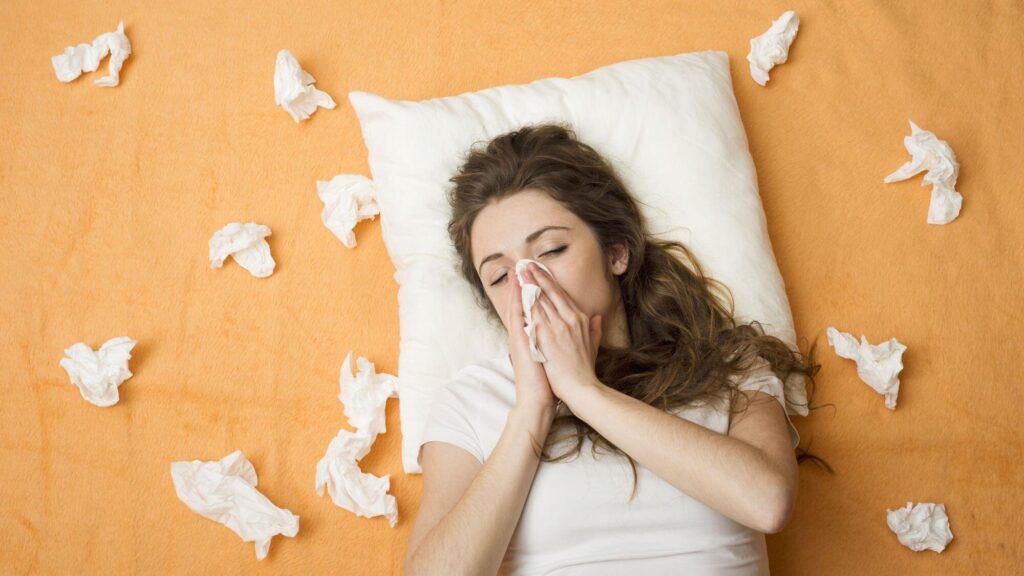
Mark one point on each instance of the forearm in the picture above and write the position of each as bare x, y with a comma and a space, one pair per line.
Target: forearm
728, 475
473, 537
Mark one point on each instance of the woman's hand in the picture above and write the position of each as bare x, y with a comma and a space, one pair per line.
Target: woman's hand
567, 337
533, 392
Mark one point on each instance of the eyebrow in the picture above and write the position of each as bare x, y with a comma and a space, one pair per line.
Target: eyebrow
533, 236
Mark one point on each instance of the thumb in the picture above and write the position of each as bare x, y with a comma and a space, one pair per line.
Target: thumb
595, 328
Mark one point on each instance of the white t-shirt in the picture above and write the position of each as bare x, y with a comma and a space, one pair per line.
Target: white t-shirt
577, 518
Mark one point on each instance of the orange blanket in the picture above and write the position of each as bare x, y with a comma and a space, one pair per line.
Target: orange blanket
110, 195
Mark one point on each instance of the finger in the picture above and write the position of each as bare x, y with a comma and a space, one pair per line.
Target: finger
551, 316
540, 314
515, 319
541, 330
515, 288
564, 304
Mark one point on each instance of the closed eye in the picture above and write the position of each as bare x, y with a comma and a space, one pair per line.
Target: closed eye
555, 251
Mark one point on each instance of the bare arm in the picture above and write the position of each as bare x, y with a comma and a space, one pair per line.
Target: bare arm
473, 536
749, 475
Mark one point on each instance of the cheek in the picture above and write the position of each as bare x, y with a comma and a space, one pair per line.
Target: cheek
586, 286
499, 299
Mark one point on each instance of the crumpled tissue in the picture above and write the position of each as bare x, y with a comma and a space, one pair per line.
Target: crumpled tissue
772, 47
98, 373
364, 398
86, 58
294, 90
530, 293
225, 491
937, 157
923, 527
878, 366
348, 199
246, 244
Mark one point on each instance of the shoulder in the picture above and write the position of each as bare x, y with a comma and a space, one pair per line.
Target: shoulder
490, 377
761, 378
479, 385
488, 367
470, 409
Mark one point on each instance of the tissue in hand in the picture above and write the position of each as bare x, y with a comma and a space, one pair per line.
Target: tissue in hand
225, 491
923, 527
347, 199
530, 294
86, 57
245, 243
364, 398
294, 90
937, 157
878, 366
772, 47
98, 374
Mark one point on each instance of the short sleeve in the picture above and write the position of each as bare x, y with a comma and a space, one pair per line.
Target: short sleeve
448, 420
762, 379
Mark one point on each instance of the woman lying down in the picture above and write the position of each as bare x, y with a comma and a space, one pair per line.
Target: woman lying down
525, 462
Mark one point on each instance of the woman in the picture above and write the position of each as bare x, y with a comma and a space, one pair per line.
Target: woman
642, 359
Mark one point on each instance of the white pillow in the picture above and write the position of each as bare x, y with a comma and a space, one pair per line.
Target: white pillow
669, 125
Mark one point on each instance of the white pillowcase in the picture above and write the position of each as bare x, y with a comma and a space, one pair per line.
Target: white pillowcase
671, 128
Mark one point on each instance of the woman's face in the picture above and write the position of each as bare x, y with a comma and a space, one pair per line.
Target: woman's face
506, 231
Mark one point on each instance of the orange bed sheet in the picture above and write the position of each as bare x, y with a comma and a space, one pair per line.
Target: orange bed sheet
110, 195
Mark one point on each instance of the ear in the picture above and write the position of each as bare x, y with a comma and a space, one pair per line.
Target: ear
618, 259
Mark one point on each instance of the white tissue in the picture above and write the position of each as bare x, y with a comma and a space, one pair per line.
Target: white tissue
98, 374
772, 47
294, 90
347, 199
246, 244
530, 294
926, 526
86, 58
364, 398
937, 157
878, 366
225, 491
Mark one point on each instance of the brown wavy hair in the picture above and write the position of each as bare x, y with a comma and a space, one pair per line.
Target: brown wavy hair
684, 341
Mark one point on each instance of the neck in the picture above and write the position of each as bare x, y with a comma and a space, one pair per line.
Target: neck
615, 329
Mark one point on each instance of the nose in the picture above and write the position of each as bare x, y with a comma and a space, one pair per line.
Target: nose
522, 263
